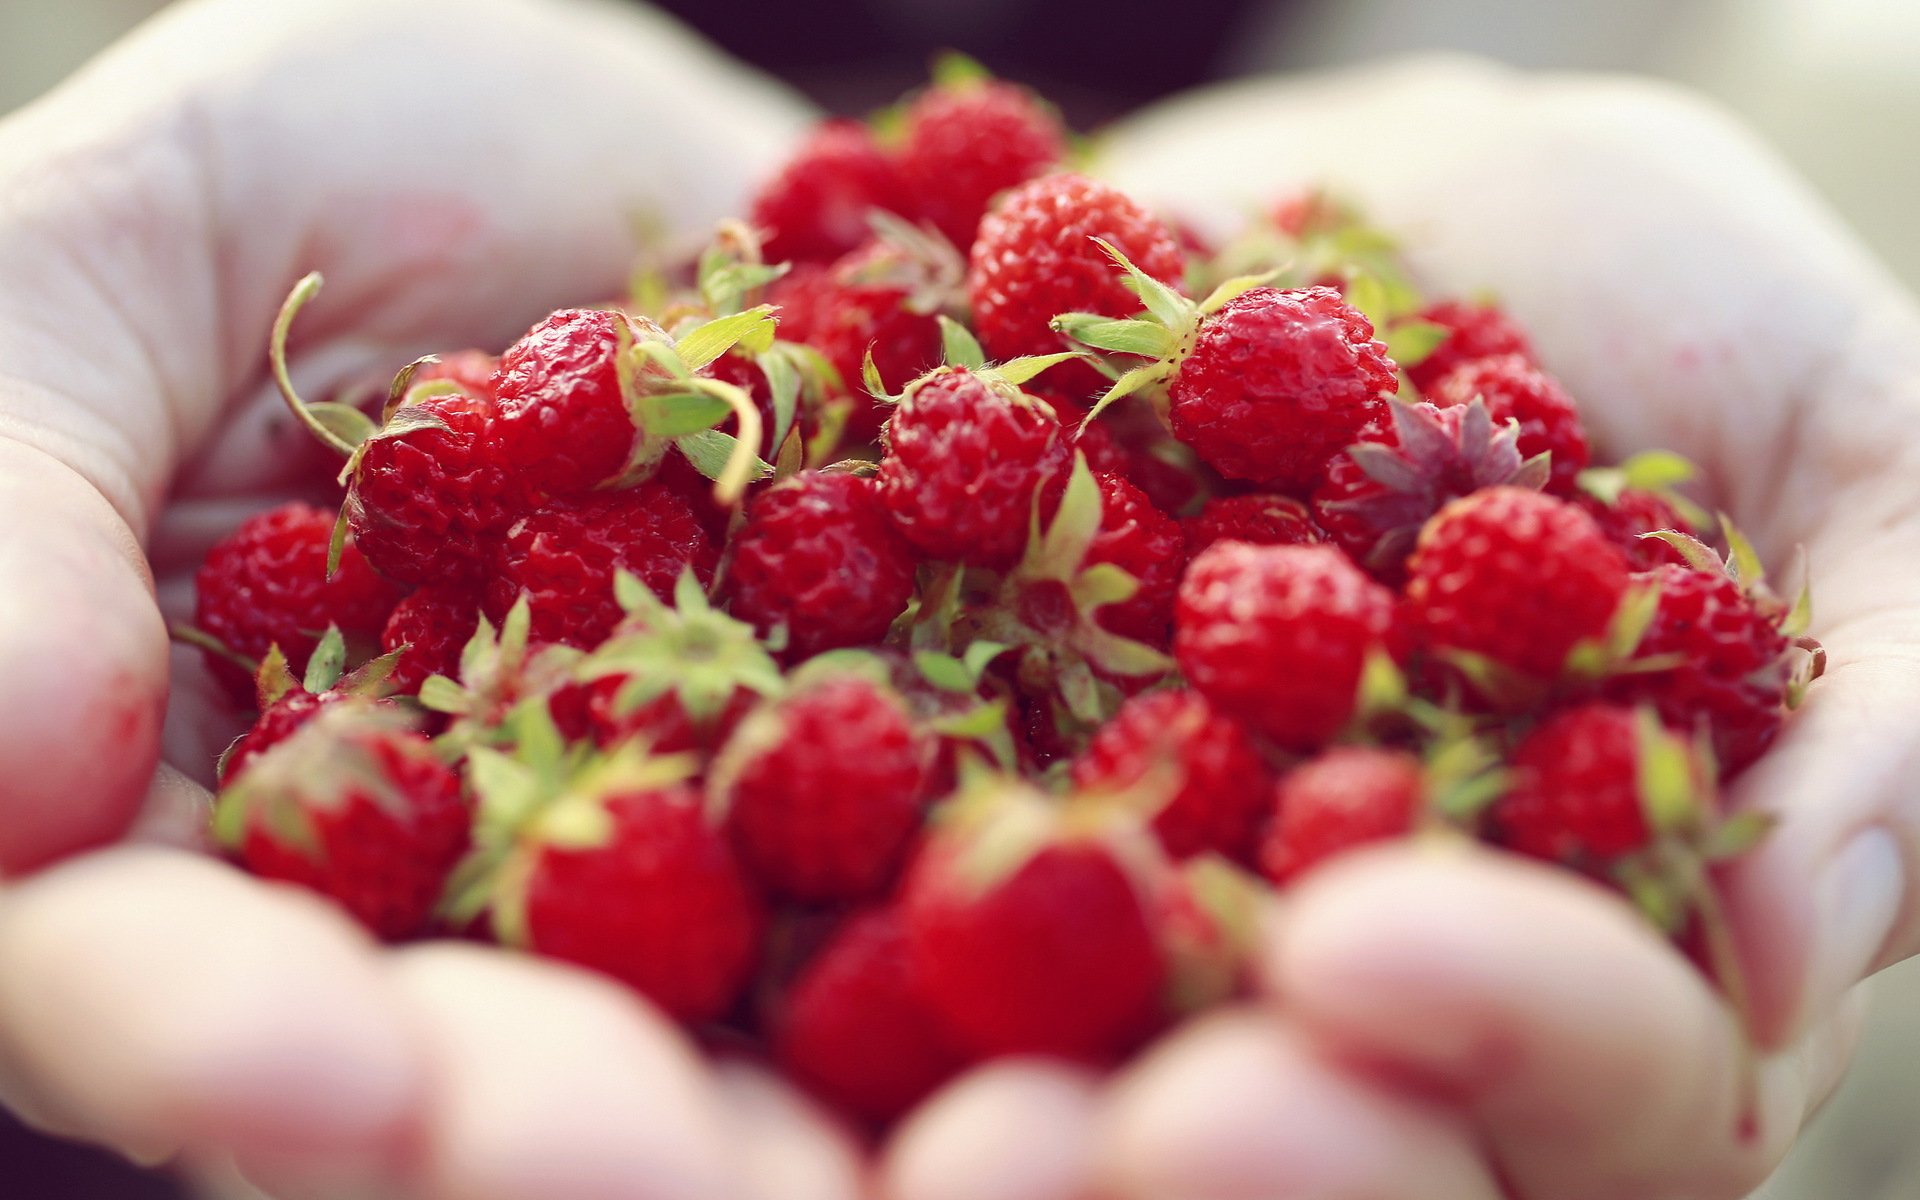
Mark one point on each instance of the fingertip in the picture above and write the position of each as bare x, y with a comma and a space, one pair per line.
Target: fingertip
787, 1146
1013, 1130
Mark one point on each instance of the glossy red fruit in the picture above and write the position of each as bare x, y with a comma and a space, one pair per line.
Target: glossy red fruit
816, 208
1148, 545
1633, 513
1261, 518
1278, 383
1474, 331
818, 556
964, 143
266, 584
1217, 788
1344, 797
434, 624
564, 558
562, 423
1576, 795
1279, 636
858, 1029
1513, 389
424, 499
274, 725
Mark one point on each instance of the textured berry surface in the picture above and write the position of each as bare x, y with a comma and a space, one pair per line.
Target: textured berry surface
1576, 794
1514, 576
423, 501
1035, 258
661, 905
266, 585
1146, 544
562, 423
1473, 331
858, 1028
964, 144
961, 467
564, 557
816, 208
1279, 635
1277, 383
1633, 513
1513, 389
819, 556
1219, 787
1261, 518
274, 725
824, 790
1344, 797
434, 624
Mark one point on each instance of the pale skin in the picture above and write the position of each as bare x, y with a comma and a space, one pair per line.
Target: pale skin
1434, 1022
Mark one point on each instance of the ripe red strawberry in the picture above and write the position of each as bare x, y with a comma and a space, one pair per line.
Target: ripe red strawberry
1515, 577
858, 1028
1217, 788
356, 806
274, 725
1279, 636
564, 558
1733, 663
266, 585
1148, 545
1636, 511
818, 557
432, 624
1035, 258
562, 422
1261, 518
816, 208
1029, 942
1344, 797
1513, 389
1386, 486
1278, 383
964, 457
824, 789
967, 140
1474, 331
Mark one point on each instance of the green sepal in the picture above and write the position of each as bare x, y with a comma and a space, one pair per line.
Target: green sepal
1410, 342
1698, 555
443, 695
1743, 561
1736, 835
1121, 335
327, 662
1668, 784
952, 69
958, 346
752, 331
1166, 305
347, 424
711, 451
680, 414
337, 542
1017, 371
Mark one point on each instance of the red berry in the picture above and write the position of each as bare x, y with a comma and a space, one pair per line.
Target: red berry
858, 1028
354, 805
1636, 511
1279, 635
963, 461
562, 423
422, 501
816, 208
1278, 383
1218, 785
966, 143
824, 789
266, 585
434, 624
1513, 389
1514, 576
1473, 331
1146, 544
1261, 518
818, 556
1344, 797
663, 721
274, 725
564, 558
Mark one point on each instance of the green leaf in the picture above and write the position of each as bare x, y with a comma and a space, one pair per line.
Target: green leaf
958, 346
677, 414
1366, 292
1698, 554
979, 654
1168, 307
1742, 559
1149, 339
952, 69
345, 422
1019, 370
711, 451
1410, 342
783, 390
1736, 835
1668, 792
443, 695
1631, 620
944, 671
328, 661
1133, 381
751, 330
337, 543
1657, 470
1100, 585
1237, 286
1064, 545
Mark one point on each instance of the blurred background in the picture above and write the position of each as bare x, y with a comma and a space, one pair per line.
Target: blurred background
1830, 82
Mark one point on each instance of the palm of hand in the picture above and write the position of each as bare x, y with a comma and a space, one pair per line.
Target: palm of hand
1517, 1030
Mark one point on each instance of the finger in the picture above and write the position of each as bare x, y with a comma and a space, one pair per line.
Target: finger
785, 1145
1013, 1130
1238, 1107
175, 1003
554, 1083
1596, 1060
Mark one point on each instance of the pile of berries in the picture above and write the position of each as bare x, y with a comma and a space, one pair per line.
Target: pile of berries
930, 626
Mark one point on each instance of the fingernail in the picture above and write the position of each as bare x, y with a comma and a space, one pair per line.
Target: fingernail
1857, 900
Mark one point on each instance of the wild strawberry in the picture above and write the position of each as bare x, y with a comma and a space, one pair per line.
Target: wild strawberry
818, 557
823, 789
1145, 543
355, 805
1639, 497
966, 139
1260, 518
1279, 636
1346, 796
1577, 795
428, 629
1384, 488
286, 703
564, 557
1514, 578
1027, 939
495, 674
266, 585
1473, 331
816, 208
276, 722
562, 420
1216, 786
859, 1029
1513, 389
964, 457
1035, 258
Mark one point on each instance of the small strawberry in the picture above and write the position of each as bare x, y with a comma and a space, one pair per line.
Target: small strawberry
859, 1029
1577, 795
286, 703
1261, 518
969, 137
1513, 389
1472, 331
1346, 796
817, 556
428, 629
352, 804
1280, 636
1641, 496
816, 208
1216, 786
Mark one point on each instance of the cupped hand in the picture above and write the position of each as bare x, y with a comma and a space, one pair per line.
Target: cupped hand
1440, 1025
